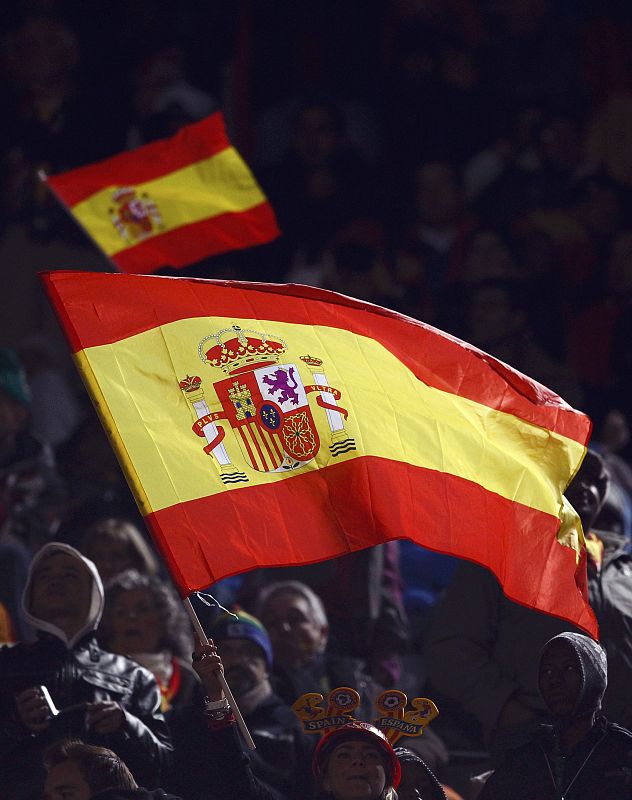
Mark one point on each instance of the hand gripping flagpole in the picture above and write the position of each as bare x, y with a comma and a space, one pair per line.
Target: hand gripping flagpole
220, 677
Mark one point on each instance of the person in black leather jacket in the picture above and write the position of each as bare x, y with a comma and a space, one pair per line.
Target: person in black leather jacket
104, 699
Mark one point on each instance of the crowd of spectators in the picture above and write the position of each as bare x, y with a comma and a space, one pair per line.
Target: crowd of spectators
466, 163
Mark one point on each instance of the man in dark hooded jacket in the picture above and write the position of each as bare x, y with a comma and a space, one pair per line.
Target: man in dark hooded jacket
579, 755
102, 698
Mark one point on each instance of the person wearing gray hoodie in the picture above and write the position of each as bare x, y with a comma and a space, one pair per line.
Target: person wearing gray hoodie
578, 755
64, 685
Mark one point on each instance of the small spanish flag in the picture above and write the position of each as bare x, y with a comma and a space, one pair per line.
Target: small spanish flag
170, 203
266, 425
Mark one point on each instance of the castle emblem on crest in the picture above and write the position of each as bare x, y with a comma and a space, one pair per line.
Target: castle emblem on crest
134, 217
265, 403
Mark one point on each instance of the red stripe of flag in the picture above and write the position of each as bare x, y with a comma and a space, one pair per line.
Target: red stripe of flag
190, 243
192, 143
107, 308
358, 504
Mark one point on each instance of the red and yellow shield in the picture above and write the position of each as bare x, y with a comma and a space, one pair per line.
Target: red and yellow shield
270, 414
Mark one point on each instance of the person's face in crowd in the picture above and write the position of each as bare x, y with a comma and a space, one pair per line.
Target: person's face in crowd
491, 316
42, 55
135, 623
560, 144
583, 492
111, 556
316, 136
244, 664
295, 635
355, 771
620, 266
489, 257
13, 418
415, 784
61, 588
615, 431
438, 195
65, 782
600, 211
560, 679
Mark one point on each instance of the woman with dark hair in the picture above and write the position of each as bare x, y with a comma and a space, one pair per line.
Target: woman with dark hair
83, 771
144, 619
90, 769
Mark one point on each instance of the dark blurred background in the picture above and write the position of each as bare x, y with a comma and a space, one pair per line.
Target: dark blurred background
467, 163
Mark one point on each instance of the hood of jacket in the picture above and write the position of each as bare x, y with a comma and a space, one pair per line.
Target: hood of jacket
95, 609
594, 670
407, 756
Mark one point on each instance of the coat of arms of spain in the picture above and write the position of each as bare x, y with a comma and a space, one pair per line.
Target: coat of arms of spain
266, 404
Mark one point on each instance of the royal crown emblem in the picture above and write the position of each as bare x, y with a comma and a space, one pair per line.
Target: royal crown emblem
134, 217
266, 404
394, 718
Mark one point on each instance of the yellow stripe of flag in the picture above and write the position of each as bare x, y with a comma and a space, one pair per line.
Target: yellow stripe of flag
213, 186
423, 426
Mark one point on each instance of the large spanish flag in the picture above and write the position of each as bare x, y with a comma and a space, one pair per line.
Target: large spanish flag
171, 202
264, 425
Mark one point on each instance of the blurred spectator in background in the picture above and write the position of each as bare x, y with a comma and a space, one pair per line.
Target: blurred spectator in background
432, 102
31, 492
583, 229
494, 318
99, 489
322, 185
489, 254
163, 98
362, 594
116, 545
620, 286
611, 434
47, 107
55, 411
517, 30
356, 268
144, 620
426, 255
425, 575
295, 619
